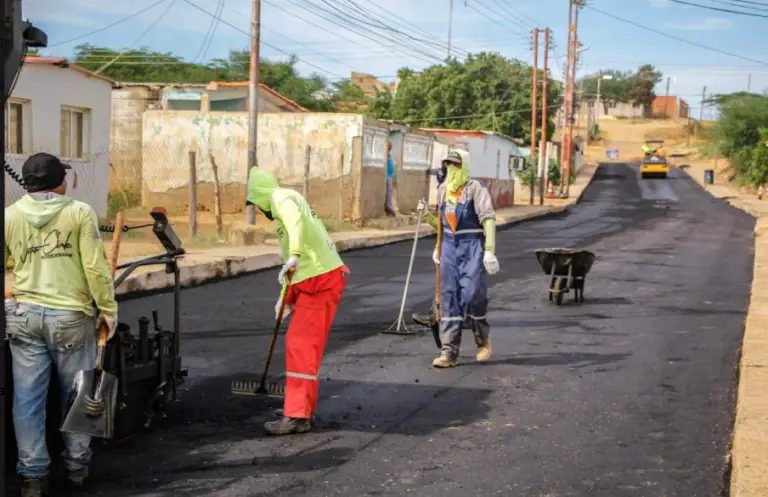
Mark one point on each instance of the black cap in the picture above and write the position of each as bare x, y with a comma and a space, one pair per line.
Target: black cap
43, 172
453, 157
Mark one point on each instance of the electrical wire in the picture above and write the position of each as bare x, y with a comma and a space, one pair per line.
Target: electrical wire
405, 22
209, 34
16, 76
475, 115
764, 8
345, 17
494, 20
682, 40
506, 15
357, 31
108, 25
296, 42
142, 35
717, 9
262, 41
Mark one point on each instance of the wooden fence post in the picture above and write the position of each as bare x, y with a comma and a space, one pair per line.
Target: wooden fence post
216, 192
306, 172
192, 195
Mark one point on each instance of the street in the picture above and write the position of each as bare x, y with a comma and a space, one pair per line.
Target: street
630, 393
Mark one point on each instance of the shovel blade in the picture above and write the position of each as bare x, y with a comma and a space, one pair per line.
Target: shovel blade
79, 418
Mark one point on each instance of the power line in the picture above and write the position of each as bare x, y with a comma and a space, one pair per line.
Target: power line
683, 40
474, 116
108, 25
262, 41
497, 21
503, 8
345, 15
681, 2
142, 35
740, 5
211, 33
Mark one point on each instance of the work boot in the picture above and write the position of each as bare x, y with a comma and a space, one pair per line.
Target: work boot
77, 477
286, 426
34, 487
445, 361
279, 414
484, 350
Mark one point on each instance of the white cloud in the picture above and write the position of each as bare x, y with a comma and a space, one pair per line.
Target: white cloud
707, 24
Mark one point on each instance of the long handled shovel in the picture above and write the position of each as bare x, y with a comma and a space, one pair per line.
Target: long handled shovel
92, 401
263, 388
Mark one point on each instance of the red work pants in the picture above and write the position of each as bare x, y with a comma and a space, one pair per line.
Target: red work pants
315, 301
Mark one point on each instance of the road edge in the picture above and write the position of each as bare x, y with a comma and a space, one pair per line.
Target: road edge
748, 457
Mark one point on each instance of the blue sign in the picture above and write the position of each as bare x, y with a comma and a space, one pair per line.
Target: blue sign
612, 153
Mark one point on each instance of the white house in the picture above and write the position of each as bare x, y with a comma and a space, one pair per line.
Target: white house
492, 157
65, 110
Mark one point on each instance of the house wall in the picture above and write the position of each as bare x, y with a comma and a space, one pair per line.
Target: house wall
489, 162
128, 106
169, 136
615, 109
44, 89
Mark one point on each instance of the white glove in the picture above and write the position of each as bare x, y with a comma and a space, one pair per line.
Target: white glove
286, 312
293, 262
110, 323
435, 258
422, 206
491, 263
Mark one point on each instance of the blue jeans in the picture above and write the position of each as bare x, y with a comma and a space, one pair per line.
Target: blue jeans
39, 337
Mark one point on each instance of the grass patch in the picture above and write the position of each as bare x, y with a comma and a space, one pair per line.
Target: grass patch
121, 201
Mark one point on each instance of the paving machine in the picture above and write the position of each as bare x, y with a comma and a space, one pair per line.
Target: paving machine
146, 363
654, 163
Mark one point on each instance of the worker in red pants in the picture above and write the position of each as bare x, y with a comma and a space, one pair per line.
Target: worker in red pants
317, 280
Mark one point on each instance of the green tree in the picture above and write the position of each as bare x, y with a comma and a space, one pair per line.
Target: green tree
617, 89
741, 135
487, 91
643, 83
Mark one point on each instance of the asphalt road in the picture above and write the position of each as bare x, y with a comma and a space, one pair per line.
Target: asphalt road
630, 393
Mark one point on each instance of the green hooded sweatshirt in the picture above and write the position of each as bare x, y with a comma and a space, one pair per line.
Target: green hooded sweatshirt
59, 257
301, 231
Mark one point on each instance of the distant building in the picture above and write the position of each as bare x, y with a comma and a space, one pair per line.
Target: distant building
669, 107
63, 109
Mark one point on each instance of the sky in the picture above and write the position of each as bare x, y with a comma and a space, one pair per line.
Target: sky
503, 26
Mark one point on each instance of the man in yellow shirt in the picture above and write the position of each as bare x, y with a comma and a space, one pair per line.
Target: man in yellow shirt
60, 268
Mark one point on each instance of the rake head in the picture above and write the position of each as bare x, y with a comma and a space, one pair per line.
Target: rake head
253, 388
403, 329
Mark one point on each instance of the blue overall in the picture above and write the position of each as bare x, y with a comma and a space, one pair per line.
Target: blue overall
463, 286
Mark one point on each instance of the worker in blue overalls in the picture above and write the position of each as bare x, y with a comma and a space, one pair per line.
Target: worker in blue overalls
467, 253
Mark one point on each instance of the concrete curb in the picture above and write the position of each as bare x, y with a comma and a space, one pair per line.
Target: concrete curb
231, 267
749, 441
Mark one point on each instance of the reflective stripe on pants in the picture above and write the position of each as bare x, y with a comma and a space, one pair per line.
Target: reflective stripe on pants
315, 301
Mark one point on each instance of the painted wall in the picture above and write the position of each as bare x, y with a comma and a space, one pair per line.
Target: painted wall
43, 89
169, 136
128, 106
489, 162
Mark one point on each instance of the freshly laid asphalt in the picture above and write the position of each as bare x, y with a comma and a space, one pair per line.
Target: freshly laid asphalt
630, 393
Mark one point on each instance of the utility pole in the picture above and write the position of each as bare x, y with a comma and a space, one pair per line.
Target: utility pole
543, 148
571, 68
597, 102
534, 103
666, 100
253, 103
749, 86
450, 25
701, 112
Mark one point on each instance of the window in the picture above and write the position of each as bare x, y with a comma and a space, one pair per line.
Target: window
72, 128
14, 128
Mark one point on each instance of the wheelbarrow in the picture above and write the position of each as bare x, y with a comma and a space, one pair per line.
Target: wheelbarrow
567, 269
